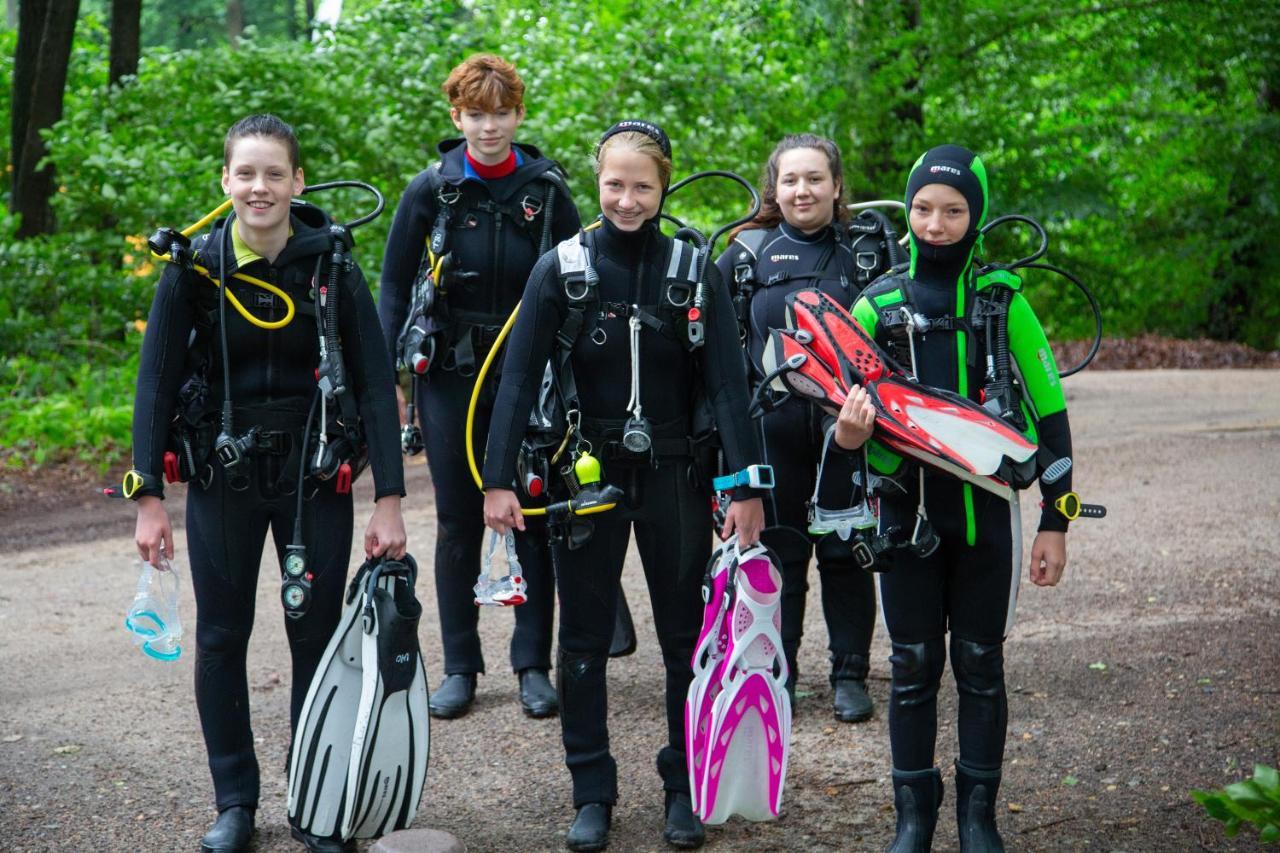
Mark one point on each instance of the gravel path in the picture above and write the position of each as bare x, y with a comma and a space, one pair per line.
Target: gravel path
1152, 670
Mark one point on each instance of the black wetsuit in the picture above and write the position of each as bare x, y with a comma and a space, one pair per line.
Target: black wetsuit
969, 585
668, 500
493, 252
785, 261
273, 382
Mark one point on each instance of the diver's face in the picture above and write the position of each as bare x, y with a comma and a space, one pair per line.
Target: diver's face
630, 188
939, 215
806, 189
488, 134
261, 180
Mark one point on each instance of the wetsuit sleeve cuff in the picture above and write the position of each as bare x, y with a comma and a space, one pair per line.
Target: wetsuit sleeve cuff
1051, 519
745, 493
382, 493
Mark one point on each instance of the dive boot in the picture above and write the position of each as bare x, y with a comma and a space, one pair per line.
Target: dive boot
316, 844
917, 794
849, 681
590, 828
976, 809
232, 832
454, 696
537, 696
683, 829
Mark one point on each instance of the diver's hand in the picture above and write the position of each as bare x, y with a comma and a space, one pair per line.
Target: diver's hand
1048, 557
153, 534
857, 419
747, 518
400, 404
502, 510
385, 533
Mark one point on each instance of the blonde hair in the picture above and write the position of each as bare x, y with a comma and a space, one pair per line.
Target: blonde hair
641, 144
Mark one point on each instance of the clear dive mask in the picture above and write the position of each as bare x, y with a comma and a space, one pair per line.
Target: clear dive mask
507, 590
152, 619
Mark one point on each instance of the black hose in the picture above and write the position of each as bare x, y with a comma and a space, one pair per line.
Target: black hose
1018, 217
302, 467
360, 185
1093, 304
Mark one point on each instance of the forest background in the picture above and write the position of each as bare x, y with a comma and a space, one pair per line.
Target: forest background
1145, 135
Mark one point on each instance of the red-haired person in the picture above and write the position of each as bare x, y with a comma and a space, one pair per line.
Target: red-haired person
475, 221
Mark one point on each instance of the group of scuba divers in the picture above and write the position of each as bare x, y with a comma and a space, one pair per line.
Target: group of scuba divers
818, 389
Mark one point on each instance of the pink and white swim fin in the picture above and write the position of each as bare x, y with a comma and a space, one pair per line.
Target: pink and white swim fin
741, 764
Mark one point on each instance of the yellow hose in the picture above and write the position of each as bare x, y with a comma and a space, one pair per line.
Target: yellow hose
257, 282
471, 419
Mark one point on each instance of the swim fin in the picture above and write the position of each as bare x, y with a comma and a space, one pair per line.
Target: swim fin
742, 763
708, 663
936, 426
359, 756
801, 371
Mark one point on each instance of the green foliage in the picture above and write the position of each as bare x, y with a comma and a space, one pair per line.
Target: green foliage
1144, 136
1255, 800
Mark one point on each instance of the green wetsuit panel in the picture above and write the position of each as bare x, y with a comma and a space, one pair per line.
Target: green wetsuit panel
1030, 349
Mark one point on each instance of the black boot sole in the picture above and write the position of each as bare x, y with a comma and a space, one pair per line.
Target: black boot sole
855, 718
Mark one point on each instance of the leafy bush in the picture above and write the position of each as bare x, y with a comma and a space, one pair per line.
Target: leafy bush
1108, 150
1255, 801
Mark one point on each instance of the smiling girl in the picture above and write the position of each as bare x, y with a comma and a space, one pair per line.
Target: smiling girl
622, 364
800, 240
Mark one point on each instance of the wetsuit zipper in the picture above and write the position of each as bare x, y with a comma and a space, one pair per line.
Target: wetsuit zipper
495, 289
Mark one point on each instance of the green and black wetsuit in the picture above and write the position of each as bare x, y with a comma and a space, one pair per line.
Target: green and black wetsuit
969, 585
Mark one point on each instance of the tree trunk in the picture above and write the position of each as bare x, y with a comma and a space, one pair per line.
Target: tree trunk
31, 19
45, 84
126, 22
235, 22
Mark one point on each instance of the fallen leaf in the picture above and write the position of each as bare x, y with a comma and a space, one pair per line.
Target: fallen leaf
1070, 780
1015, 807
1099, 666
833, 792
1027, 736
11, 738
69, 749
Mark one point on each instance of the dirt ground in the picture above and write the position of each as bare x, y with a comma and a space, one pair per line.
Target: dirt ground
1153, 669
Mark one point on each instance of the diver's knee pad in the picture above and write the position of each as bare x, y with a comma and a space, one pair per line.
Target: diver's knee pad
580, 667
917, 670
836, 553
978, 667
221, 642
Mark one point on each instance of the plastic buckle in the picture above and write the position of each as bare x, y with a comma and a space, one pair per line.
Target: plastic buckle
863, 555
343, 484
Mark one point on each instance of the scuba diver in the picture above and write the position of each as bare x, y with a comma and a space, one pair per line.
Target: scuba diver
466, 234
611, 306
960, 328
268, 369
802, 238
